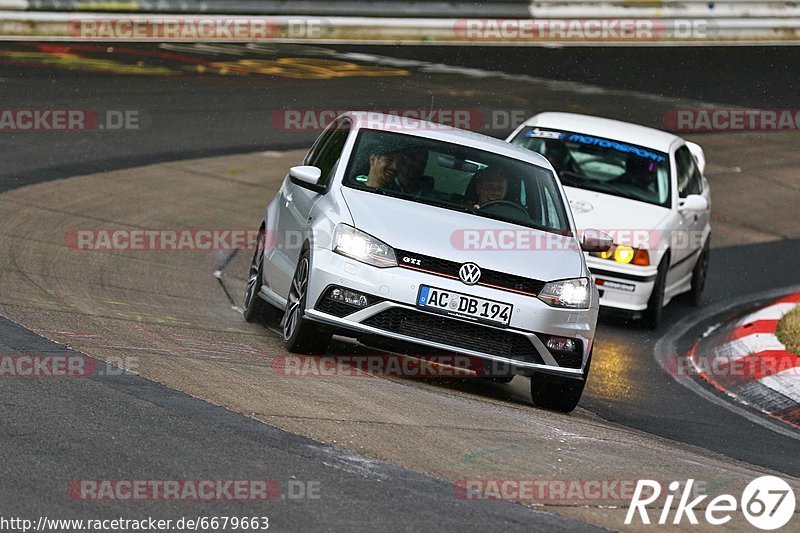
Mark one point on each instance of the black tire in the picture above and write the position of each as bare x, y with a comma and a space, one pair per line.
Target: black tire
655, 306
556, 392
255, 308
300, 335
699, 274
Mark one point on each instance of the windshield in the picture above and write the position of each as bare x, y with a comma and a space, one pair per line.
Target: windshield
602, 165
457, 177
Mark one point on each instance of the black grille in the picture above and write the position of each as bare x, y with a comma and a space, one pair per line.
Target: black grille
339, 309
458, 333
444, 267
568, 360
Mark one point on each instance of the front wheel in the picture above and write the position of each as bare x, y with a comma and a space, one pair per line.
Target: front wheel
699, 275
655, 306
556, 392
299, 334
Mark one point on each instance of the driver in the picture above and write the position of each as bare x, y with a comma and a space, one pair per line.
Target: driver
384, 163
557, 154
490, 187
640, 173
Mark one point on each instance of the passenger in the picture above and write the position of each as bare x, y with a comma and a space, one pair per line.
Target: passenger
411, 177
490, 186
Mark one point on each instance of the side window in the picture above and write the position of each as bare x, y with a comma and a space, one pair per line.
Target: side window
689, 179
551, 212
313, 154
328, 157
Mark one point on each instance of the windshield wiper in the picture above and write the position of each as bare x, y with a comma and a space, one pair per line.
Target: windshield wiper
443, 204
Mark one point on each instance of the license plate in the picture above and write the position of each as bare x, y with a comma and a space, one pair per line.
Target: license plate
464, 306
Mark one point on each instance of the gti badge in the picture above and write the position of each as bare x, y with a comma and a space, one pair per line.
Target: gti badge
469, 273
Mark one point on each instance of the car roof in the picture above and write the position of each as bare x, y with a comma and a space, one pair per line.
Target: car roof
429, 130
606, 127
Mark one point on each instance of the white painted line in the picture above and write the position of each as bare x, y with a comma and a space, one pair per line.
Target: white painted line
744, 346
786, 382
772, 312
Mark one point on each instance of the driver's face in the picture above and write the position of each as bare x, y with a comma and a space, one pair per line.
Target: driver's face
491, 188
383, 168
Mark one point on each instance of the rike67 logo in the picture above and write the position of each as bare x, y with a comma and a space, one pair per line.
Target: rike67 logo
767, 502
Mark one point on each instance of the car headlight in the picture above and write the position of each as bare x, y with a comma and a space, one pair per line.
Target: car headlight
350, 242
624, 254
571, 293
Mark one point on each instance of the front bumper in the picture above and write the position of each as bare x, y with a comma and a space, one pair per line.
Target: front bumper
624, 287
397, 317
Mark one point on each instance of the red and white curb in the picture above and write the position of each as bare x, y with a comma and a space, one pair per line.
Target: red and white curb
745, 360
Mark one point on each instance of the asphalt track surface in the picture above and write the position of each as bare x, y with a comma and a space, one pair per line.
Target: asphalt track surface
142, 430
191, 115
746, 76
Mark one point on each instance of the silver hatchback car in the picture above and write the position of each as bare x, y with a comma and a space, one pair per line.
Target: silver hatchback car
408, 235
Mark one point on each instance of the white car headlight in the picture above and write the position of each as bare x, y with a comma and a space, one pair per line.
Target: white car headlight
572, 293
363, 247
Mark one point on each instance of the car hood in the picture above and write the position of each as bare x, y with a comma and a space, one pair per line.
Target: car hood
462, 237
612, 214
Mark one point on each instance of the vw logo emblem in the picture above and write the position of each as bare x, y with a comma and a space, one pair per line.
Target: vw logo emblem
469, 273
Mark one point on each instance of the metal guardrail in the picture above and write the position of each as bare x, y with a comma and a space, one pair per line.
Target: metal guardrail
438, 21
432, 8
350, 8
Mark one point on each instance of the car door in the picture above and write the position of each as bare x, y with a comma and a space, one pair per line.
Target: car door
296, 203
690, 240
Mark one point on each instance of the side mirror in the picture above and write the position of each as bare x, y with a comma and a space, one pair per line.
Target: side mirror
307, 177
693, 202
596, 241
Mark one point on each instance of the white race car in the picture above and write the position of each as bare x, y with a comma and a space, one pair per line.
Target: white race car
646, 189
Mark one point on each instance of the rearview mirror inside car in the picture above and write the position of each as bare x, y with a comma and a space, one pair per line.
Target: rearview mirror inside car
451, 162
596, 241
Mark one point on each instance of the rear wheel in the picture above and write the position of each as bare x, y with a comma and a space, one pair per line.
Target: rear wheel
300, 335
655, 306
556, 392
699, 275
